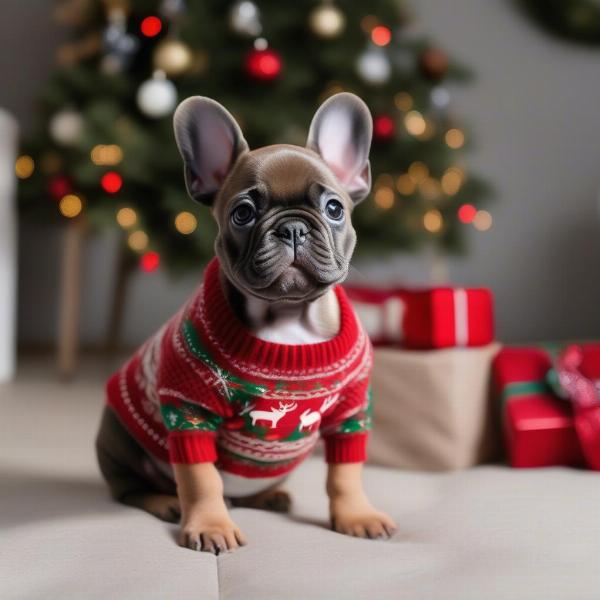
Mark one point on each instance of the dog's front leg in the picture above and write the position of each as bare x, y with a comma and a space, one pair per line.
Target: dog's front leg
350, 510
205, 521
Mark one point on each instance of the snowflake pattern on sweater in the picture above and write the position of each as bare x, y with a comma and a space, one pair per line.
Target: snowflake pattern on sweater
204, 389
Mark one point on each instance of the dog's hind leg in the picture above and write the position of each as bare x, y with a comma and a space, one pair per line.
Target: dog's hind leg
125, 467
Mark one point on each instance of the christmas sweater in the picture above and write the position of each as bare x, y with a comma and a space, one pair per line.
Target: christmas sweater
204, 389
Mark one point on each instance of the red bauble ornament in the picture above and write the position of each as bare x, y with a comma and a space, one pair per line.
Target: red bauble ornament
433, 63
150, 261
111, 182
151, 26
264, 65
383, 128
59, 186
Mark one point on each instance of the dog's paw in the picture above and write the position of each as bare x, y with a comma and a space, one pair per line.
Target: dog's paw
211, 536
360, 519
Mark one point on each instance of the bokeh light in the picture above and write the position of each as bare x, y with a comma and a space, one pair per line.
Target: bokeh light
381, 35
455, 138
466, 213
138, 240
186, 223
482, 220
150, 261
418, 171
111, 182
384, 197
433, 221
24, 166
126, 217
405, 184
415, 123
70, 206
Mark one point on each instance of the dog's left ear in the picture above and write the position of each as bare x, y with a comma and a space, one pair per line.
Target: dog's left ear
340, 133
210, 141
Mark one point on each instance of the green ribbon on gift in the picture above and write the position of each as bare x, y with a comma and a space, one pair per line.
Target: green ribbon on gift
525, 388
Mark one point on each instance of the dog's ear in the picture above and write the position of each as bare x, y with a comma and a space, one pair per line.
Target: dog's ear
340, 133
210, 141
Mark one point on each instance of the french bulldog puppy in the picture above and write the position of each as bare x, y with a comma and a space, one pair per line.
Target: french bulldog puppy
285, 240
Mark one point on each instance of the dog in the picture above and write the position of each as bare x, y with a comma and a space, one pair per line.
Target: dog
231, 395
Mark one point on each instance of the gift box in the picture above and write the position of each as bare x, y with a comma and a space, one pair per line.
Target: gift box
541, 428
426, 319
432, 410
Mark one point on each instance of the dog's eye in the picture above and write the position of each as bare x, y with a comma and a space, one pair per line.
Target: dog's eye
243, 214
334, 210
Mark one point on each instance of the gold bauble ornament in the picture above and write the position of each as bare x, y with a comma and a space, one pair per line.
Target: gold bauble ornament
173, 58
327, 21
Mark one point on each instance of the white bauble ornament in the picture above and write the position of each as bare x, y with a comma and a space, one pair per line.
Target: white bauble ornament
157, 97
244, 18
66, 127
373, 66
327, 21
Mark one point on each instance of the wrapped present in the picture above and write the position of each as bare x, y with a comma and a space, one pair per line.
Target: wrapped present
546, 425
432, 410
426, 319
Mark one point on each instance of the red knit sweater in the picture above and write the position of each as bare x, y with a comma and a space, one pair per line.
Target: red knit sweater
203, 388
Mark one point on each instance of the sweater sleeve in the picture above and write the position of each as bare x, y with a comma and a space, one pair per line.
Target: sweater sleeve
345, 429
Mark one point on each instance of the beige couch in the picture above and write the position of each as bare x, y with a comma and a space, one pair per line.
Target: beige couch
489, 532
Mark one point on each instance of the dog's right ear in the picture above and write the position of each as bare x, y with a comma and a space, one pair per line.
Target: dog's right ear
210, 141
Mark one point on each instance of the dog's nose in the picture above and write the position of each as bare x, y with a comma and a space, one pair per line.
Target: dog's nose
293, 232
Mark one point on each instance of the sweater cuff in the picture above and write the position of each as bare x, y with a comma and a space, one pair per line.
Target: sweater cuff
192, 447
346, 448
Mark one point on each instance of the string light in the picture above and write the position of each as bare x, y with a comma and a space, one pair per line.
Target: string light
70, 206
106, 154
381, 35
138, 240
111, 182
455, 138
24, 166
405, 184
466, 213
482, 220
430, 188
150, 261
186, 223
403, 101
384, 197
126, 217
452, 179
418, 171
151, 26
415, 123
432, 221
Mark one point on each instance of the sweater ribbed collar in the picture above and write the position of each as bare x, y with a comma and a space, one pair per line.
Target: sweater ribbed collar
236, 341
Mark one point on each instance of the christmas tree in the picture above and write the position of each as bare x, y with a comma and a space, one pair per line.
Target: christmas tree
104, 152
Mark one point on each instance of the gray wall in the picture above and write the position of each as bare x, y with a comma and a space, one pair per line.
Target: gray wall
533, 110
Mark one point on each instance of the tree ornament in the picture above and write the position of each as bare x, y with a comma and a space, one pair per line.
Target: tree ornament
373, 66
173, 57
66, 127
244, 18
157, 97
383, 128
263, 65
327, 21
119, 46
433, 63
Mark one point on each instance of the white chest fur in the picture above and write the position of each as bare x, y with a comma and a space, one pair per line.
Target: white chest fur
314, 322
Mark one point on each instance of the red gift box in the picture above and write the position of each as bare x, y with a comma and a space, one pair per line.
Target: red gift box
428, 318
540, 428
